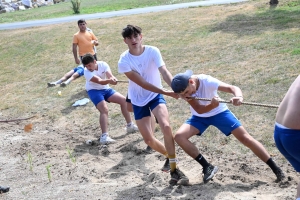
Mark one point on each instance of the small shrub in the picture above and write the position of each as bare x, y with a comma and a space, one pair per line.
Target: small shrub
76, 6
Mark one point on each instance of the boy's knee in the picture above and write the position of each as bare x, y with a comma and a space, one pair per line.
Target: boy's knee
178, 137
149, 141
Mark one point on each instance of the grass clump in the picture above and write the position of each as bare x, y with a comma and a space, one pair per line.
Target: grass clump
76, 6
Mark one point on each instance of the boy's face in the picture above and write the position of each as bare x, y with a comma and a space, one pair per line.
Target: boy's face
134, 41
190, 89
91, 66
82, 26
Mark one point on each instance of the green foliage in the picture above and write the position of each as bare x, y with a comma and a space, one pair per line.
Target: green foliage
29, 160
76, 6
49, 172
71, 156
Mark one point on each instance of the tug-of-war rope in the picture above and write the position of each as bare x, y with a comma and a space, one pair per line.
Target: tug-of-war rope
243, 103
224, 101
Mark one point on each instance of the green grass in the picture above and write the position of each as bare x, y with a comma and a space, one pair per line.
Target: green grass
64, 9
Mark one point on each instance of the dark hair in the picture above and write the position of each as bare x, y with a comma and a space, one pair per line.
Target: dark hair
81, 21
87, 58
130, 30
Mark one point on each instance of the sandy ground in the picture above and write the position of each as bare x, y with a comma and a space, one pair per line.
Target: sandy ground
123, 170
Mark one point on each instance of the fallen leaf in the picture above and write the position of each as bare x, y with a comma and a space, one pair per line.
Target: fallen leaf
28, 128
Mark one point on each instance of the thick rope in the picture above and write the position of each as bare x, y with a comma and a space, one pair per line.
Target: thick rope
122, 81
243, 103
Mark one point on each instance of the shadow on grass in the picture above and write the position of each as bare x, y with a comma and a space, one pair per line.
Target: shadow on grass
73, 98
270, 20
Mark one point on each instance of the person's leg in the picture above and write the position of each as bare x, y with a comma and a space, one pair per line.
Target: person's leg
72, 78
97, 97
65, 77
258, 149
161, 112
182, 136
246, 139
120, 99
103, 119
145, 129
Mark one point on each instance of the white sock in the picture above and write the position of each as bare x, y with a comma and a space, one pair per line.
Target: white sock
104, 134
129, 124
58, 82
67, 82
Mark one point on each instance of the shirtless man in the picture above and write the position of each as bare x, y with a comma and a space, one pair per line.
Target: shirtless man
287, 127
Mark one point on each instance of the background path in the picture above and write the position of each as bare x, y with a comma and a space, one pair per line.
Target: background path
44, 22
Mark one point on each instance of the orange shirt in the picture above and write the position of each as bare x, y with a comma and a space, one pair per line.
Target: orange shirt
84, 42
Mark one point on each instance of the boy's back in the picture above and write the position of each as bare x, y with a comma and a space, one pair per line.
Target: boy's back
288, 113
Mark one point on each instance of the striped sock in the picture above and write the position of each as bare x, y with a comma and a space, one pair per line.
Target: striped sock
172, 159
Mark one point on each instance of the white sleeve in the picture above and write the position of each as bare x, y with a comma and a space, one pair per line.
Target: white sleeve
157, 57
124, 64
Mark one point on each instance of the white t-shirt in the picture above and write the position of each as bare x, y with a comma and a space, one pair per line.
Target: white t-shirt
103, 67
208, 89
146, 65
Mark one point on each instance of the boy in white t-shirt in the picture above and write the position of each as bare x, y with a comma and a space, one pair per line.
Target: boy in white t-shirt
143, 64
98, 75
205, 113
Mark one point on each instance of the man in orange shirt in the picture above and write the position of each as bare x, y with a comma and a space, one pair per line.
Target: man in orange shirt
84, 40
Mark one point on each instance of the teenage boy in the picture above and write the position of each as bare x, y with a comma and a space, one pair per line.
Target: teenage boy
98, 75
287, 127
143, 64
205, 113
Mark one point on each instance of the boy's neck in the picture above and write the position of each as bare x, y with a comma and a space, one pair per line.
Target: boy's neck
137, 51
197, 82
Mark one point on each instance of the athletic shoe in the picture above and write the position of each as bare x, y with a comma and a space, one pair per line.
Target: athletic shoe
209, 173
106, 140
132, 128
52, 84
280, 175
148, 149
3, 189
178, 177
166, 167
63, 84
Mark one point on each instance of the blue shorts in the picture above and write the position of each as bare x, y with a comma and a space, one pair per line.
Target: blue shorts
79, 70
225, 121
287, 142
97, 96
144, 111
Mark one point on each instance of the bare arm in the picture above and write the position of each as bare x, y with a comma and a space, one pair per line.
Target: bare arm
135, 77
199, 108
167, 76
110, 76
74, 48
97, 79
236, 91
